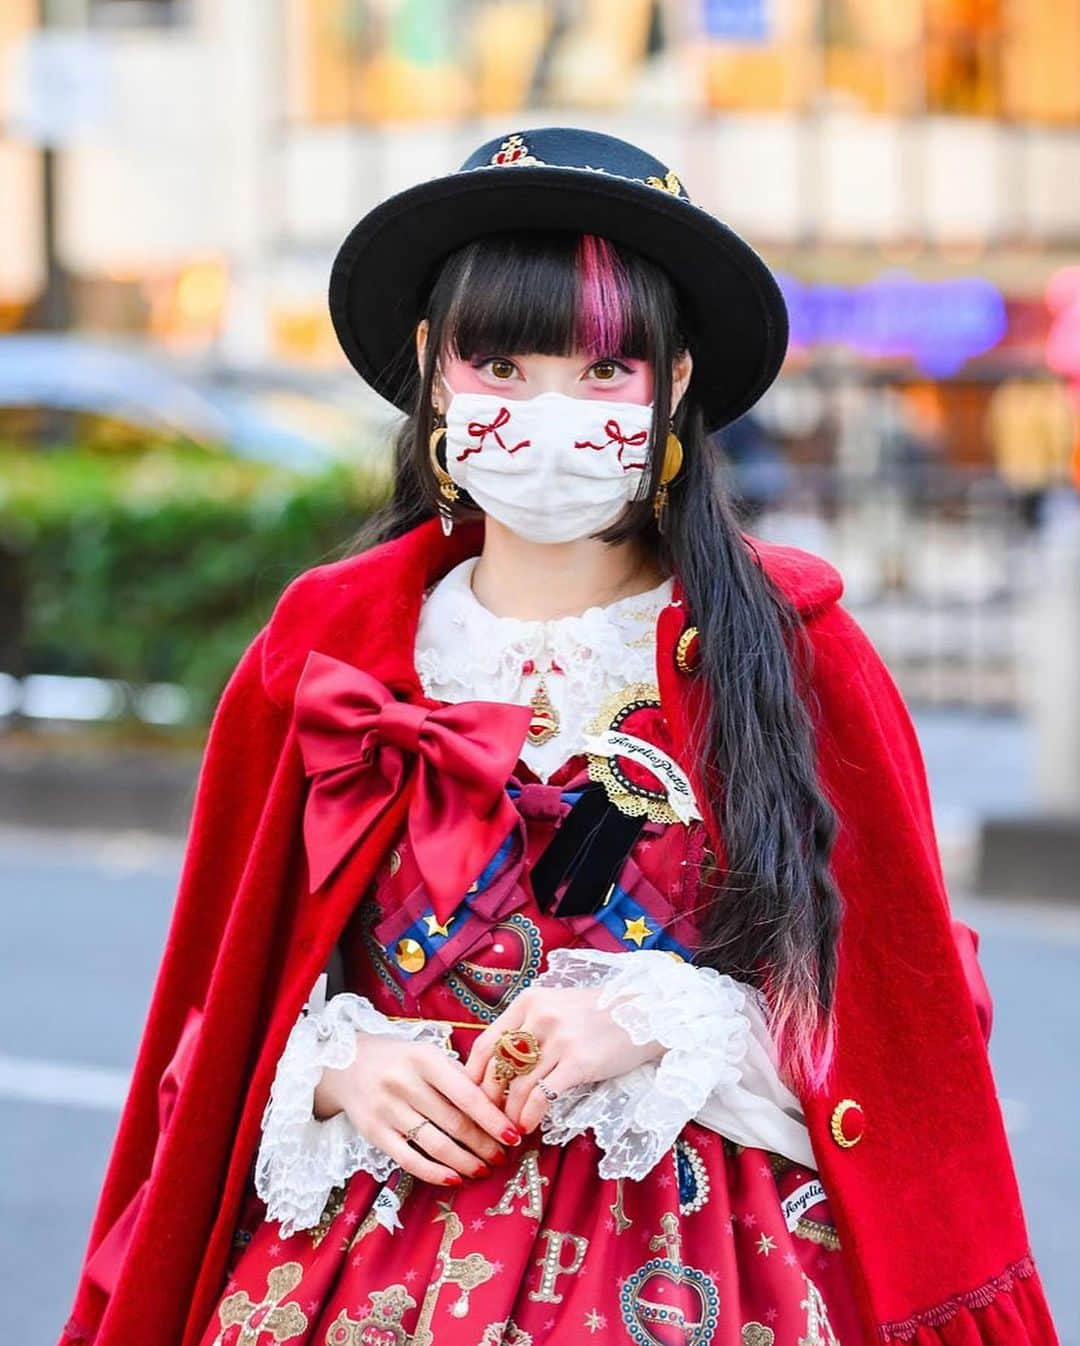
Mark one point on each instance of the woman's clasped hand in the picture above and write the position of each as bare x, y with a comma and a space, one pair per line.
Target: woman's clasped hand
394, 1085
579, 1040
465, 1114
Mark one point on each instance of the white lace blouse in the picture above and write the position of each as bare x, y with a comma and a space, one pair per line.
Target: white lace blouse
720, 1067
463, 650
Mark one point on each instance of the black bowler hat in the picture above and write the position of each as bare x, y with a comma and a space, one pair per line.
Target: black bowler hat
560, 177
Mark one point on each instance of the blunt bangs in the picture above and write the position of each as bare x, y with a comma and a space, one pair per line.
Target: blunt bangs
548, 293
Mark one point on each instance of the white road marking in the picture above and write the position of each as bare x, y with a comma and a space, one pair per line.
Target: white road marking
111, 852
1016, 1115
56, 1082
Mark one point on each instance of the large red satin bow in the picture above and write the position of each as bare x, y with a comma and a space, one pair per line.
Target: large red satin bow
357, 741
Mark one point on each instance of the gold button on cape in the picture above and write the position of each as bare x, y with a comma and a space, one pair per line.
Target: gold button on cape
847, 1123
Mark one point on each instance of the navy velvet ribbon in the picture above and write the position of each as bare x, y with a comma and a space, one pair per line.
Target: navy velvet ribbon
587, 851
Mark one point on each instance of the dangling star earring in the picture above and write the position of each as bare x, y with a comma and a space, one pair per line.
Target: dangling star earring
673, 456
448, 489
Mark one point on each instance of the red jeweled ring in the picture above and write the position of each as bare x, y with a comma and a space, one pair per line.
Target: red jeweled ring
516, 1052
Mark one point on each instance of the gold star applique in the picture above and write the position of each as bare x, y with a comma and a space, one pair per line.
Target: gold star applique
436, 927
765, 1244
636, 930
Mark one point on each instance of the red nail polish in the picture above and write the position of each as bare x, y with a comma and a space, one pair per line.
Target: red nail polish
452, 1181
512, 1136
500, 1158
482, 1172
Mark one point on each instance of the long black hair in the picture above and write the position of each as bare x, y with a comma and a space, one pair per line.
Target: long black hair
771, 912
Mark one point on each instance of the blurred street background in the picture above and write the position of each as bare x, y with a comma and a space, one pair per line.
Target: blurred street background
180, 435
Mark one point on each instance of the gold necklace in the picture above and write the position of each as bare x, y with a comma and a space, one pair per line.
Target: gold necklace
545, 721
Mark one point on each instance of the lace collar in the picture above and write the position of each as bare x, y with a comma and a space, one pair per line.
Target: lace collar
463, 649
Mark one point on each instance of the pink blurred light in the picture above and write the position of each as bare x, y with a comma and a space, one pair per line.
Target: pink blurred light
1063, 342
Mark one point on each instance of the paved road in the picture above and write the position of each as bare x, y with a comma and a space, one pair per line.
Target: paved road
82, 926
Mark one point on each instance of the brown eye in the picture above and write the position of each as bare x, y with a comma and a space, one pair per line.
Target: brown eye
497, 365
611, 365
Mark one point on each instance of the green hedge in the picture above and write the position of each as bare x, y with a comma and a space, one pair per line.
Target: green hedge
159, 565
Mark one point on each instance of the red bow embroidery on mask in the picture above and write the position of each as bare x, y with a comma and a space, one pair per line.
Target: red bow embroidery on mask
483, 430
358, 742
615, 436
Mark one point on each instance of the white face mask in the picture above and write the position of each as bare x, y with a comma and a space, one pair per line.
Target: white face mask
552, 467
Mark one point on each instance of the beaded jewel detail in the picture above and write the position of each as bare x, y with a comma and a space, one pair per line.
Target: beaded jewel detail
512, 151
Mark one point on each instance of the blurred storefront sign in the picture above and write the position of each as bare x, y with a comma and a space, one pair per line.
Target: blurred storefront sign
382, 61
60, 90
1031, 427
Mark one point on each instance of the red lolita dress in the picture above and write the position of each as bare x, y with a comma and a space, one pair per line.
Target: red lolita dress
675, 1205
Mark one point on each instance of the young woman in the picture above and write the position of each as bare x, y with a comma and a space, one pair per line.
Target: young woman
562, 950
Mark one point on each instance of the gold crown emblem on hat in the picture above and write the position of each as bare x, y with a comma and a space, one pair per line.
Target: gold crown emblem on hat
513, 150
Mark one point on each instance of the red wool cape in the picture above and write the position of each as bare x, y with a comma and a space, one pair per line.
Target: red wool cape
926, 1202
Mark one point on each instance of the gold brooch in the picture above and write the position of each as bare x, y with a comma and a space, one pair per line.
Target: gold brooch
639, 777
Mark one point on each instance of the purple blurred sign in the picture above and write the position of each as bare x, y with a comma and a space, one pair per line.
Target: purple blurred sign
937, 324
736, 20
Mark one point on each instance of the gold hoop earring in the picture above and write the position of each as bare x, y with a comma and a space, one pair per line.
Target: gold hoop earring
448, 488
673, 457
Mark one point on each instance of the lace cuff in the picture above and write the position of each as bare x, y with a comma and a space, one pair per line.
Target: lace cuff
719, 1067
302, 1157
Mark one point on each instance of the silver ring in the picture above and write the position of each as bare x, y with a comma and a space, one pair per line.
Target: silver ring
550, 1094
411, 1133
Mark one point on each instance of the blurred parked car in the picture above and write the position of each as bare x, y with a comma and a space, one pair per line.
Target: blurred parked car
73, 389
